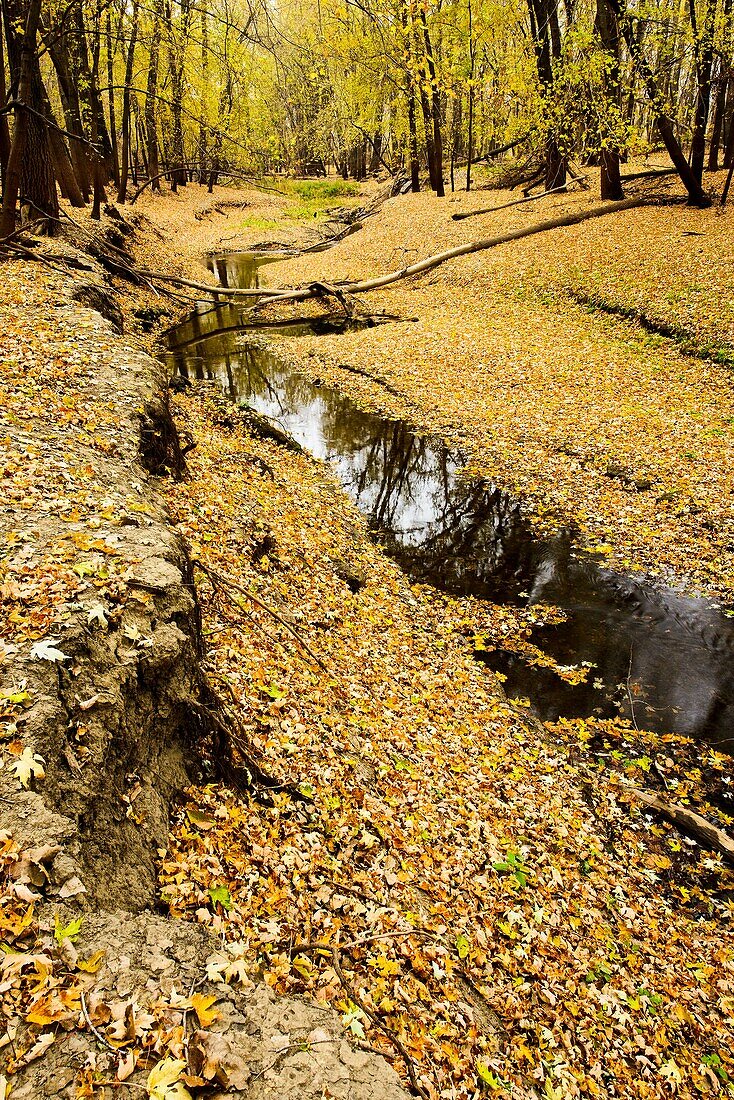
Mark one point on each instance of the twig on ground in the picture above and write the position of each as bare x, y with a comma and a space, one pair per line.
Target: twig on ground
97, 1034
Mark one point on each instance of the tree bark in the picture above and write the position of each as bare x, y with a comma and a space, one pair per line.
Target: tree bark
150, 98
415, 182
29, 170
125, 165
696, 194
723, 90
111, 98
472, 65
704, 50
56, 41
606, 27
435, 112
204, 82
4, 127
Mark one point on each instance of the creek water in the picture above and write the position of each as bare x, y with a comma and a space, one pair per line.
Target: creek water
662, 660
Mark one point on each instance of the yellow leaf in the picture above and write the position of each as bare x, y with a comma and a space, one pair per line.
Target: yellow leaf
92, 964
202, 1006
164, 1081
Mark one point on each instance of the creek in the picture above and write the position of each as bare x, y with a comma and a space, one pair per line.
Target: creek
663, 660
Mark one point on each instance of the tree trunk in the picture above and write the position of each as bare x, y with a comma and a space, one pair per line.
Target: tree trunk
606, 28
472, 65
546, 34
435, 112
696, 194
151, 91
4, 127
125, 165
29, 170
704, 48
204, 84
415, 181
723, 88
56, 41
111, 99
62, 165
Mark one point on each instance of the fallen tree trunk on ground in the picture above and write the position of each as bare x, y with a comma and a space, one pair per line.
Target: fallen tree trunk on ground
517, 202
692, 824
266, 295
366, 285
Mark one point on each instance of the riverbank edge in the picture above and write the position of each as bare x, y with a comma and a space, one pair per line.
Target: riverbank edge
116, 721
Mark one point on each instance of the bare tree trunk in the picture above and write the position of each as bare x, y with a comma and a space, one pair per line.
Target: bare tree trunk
606, 28
546, 34
435, 113
18, 145
696, 194
56, 41
704, 62
29, 171
111, 98
125, 165
415, 182
4, 127
151, 91
472, 65
62, 165
723, 88
204, 83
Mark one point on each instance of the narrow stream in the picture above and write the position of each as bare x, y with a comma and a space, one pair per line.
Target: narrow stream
660, 659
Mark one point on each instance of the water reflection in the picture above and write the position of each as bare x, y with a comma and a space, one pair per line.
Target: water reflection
660, 659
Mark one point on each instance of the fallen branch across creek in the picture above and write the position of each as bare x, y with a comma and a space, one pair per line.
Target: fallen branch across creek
266, 295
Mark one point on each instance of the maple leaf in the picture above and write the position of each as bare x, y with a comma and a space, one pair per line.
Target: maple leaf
164, 1081
202, 1006
352, 1019
97, 615
46, 650
29, 765
220, 895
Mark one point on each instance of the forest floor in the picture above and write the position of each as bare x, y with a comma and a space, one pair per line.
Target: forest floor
479, 896
481, 886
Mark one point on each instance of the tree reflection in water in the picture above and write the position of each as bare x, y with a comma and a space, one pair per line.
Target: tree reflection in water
667, 657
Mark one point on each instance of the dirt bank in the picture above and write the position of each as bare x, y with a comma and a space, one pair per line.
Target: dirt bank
105, 712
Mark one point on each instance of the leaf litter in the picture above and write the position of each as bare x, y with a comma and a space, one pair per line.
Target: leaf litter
477, 896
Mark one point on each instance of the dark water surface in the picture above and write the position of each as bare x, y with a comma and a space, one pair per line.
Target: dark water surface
661, 659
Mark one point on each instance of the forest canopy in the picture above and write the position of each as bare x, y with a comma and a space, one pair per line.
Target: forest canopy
103, 97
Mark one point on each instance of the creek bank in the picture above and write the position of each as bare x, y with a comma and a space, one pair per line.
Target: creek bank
104, 714
601, 643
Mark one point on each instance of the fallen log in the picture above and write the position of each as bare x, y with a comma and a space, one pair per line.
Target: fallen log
517, 202
692, 824
266, 295
364, 286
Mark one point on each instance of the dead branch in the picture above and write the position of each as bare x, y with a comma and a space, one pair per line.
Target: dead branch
517, 202
265, 295
269, 295
208, 288
357, 1000
692, 824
